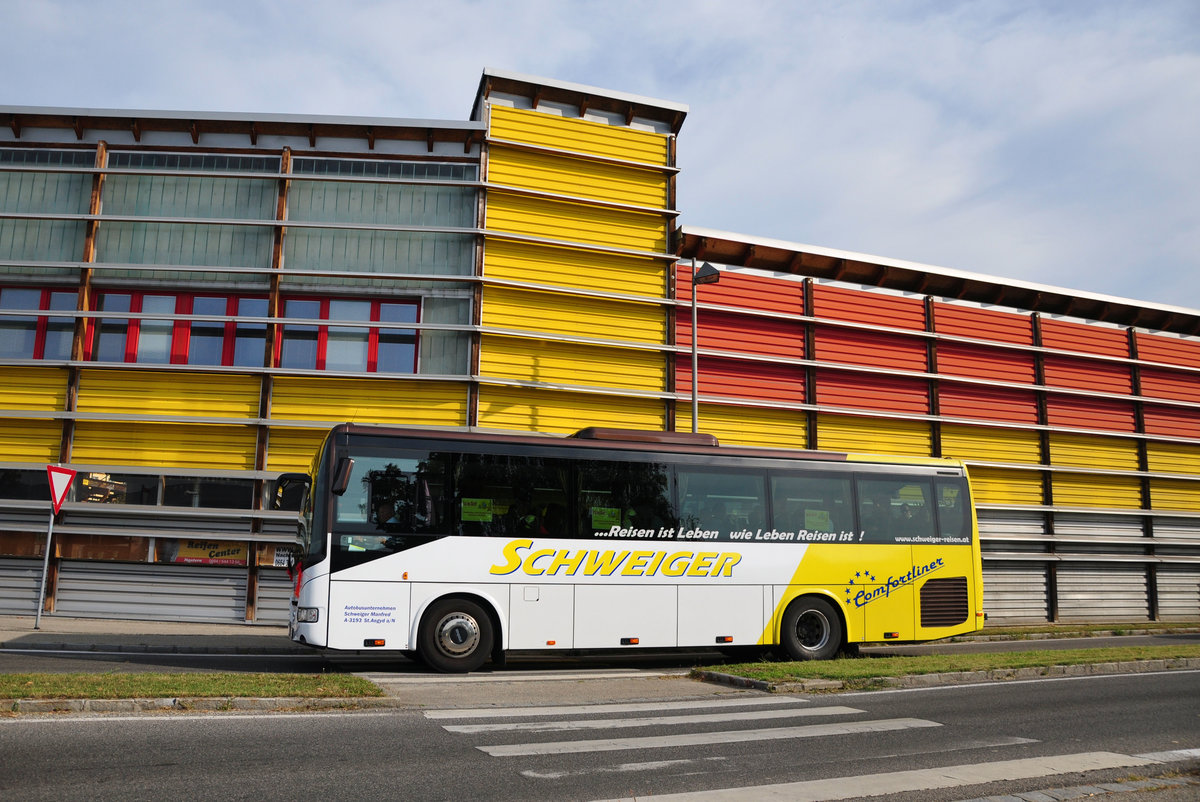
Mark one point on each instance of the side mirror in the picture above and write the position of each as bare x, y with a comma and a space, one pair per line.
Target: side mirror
288, 491
341, 476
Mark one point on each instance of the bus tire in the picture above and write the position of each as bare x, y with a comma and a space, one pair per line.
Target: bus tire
811, 629
455, 636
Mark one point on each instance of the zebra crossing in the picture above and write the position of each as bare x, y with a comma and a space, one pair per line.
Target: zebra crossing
794, 719
508, 733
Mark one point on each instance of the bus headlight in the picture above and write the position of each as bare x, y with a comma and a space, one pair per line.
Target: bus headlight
307, 615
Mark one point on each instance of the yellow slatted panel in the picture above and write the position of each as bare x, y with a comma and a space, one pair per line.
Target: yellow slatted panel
164, 445
369, 401
748, 426
989, 445
1175, 494
1082, 490
1087, 451
563, 175
545, 264
576, 222
34, 388
565, 314
179, 394
578, 135
1173, 457
871, 436
1001, 486
569, 363
30, 440
293, 449
562, 413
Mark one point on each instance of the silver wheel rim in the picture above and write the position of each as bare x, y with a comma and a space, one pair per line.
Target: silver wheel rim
812, 630
457, 634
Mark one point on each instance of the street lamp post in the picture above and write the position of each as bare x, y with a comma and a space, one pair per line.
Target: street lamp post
705, 274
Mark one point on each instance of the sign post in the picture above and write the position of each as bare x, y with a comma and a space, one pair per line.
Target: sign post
60, 485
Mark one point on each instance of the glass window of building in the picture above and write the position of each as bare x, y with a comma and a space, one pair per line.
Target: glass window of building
35, 336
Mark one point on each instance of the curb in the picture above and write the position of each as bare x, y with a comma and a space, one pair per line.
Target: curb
952, 677
206, 704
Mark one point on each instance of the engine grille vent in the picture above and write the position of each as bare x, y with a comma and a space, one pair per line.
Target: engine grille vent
944, 602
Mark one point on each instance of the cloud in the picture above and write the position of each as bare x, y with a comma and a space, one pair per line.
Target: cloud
1052, 142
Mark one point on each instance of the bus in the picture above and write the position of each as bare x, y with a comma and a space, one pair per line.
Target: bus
458, 547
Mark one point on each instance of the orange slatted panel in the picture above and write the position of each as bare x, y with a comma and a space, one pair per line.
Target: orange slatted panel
981, 362
1085, 374
1159, 383
1090, 413
872, 391
869, 348
725, 331
860, 306
1085, 338
730, 378
1171, 421
1168, 350
760, 293
987, 403
983, 324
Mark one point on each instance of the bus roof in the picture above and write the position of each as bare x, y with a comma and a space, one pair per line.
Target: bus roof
644, 440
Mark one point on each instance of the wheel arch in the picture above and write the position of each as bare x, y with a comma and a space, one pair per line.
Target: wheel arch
817, 593
485, 601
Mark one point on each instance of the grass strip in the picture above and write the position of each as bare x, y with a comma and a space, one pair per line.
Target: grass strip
864, 668
195, 684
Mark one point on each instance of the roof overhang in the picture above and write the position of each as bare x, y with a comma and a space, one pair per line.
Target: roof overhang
586, 97
195, 123
876, 271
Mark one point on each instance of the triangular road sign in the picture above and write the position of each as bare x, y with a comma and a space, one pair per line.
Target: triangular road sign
60, 483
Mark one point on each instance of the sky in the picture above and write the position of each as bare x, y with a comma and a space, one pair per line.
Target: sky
1056, 142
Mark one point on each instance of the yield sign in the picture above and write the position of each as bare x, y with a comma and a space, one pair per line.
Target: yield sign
60, 483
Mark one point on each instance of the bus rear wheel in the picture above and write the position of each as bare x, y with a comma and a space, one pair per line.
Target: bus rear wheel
811, 629
455, 636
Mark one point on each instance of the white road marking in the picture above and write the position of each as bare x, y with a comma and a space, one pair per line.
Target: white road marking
620, 768
705, 738
649, 721
619, 707
896, 782
1172, 756
556, 676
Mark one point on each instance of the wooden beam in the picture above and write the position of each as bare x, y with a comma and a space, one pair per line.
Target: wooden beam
136, 128
78, 126
253, 133
370, 137
429, 140
194, 129
583, 105
14, 123
312, 136
629, 114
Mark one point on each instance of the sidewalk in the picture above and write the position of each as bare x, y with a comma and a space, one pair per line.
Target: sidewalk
117, 635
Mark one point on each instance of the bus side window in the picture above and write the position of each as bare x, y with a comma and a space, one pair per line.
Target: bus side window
511, 496
894, 509
717, 505
810, 502
954, 520
625, 499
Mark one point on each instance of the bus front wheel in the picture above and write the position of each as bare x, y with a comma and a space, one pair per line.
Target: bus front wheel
455, 636
811, 629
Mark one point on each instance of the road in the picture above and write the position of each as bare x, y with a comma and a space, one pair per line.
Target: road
15, 661
936, 744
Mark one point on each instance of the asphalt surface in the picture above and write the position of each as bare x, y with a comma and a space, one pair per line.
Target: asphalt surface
17, 633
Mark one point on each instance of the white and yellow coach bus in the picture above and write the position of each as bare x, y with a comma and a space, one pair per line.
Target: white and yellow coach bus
457, 547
